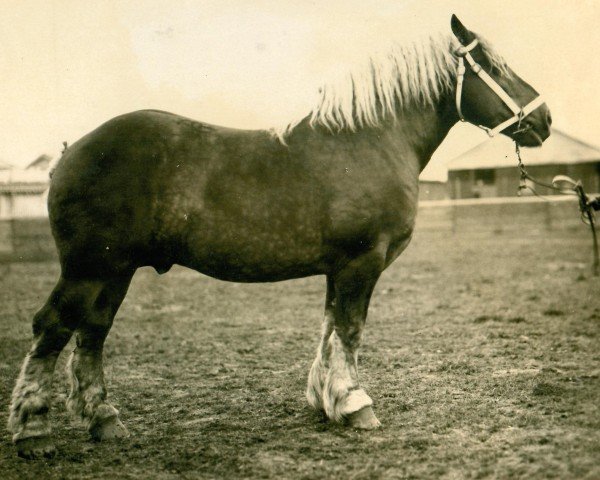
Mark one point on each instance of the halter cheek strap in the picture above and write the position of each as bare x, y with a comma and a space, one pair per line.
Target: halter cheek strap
519, 113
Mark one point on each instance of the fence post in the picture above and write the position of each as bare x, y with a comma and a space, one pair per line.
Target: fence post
548, 215
13, 230
453, 217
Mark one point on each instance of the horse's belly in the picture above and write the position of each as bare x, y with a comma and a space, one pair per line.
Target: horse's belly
234, 268
244, 254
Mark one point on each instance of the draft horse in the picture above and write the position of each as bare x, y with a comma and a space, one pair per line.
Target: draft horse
333, 194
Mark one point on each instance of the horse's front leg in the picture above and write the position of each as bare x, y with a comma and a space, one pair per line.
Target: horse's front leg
333, 382
320, 366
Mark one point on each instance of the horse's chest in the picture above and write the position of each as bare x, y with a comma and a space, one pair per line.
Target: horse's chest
396, 247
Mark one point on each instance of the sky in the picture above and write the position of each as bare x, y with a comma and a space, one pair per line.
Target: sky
66, 66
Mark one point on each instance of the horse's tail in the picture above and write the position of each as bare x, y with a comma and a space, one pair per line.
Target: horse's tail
55, 160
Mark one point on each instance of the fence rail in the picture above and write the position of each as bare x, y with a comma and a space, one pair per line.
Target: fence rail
26, 239
500, 214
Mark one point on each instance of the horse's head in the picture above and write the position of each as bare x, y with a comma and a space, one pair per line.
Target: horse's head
490, 95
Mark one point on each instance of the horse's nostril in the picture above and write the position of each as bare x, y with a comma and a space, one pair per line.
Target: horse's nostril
549, 118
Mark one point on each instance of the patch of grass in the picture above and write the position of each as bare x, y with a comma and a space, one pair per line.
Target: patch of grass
487, 318
457, 367
544, 389
517, 319
418, 444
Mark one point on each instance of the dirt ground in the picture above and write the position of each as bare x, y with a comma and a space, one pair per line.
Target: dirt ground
481, 355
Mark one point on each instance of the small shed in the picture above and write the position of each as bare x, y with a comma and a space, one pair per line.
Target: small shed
490, 168
23, 193
40, 163
24, 228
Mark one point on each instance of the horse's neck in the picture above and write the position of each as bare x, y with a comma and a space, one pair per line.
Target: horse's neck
420, 130
413, 135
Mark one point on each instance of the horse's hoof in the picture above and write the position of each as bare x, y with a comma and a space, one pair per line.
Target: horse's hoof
35, 447
364, 419
109, 429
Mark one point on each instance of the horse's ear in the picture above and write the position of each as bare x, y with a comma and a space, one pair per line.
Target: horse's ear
464, 35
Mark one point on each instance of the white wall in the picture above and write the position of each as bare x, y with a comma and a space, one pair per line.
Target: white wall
29, 205
23, 193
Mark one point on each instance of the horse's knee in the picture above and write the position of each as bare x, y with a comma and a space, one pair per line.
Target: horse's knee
350, 333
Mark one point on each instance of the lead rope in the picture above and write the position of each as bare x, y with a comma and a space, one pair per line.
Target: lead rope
524, 176
586, 207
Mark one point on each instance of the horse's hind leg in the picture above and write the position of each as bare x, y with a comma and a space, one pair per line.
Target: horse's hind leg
333, 381
53, 326
88, 306
88, 397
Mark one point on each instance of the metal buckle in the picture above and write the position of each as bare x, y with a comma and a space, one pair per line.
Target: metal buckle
461, 51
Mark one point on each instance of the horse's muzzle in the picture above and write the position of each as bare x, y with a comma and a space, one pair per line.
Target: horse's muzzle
534, 129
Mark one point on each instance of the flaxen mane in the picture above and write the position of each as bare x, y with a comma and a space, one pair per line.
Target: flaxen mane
417, 71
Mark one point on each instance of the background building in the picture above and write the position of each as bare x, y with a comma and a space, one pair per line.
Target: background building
490, 169
23, 193
24, 228
432, 190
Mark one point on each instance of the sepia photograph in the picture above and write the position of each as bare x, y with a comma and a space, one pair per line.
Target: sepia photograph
299, 239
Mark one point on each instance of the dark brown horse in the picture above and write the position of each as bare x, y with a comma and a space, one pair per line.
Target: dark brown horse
334, 194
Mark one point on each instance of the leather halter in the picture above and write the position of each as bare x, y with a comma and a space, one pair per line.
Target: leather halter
519, 113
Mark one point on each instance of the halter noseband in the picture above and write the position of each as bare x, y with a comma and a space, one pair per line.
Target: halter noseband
519, 113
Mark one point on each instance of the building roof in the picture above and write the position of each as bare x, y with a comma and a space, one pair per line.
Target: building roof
40, 163
499, 151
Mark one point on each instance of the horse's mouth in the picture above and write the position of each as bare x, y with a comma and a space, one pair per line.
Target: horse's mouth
527, 136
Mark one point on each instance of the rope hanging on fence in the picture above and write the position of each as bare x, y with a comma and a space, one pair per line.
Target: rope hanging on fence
566, 186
